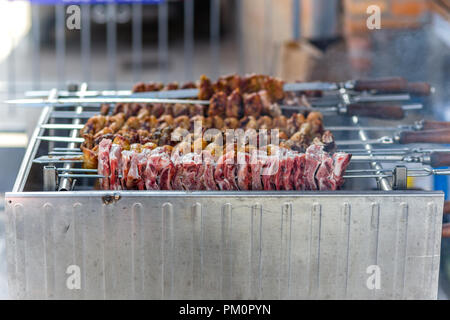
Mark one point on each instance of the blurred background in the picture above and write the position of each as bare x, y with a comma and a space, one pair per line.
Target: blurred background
120, 43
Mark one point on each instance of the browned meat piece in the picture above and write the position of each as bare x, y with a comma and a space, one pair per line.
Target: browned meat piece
328, 141
180, 109
305, 128
171, 86
249, 122
99, 138
314, 115
196, 110
265, 122
253, 83
188, 85
252, 104
274, 88
158, 110
130, 135
93, 125
154, 86
104, 109
143, 113
88, 141
122, 142
199, 144
144, 136
179, 134
227, 83
149, 123
205, 89
233, 81
165, 138
231, 123
132, 123
221, 85
234, 104
218, 122
103, 132
167, 119
119, 108
217, 104
90, 158
132, 110
279, 122
205, 123
139, 87
294, 123
283, 135
182, 121
265, 100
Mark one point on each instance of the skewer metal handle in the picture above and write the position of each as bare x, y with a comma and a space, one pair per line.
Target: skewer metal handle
379, 111
425, 136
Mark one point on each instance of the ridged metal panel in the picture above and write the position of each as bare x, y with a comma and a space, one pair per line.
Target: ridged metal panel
224, 246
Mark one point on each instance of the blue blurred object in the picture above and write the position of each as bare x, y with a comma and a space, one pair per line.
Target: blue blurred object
441, 183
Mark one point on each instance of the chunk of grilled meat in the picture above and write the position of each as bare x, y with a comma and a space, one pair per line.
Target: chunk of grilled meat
234, 104
205, 88
252, 104
217, 104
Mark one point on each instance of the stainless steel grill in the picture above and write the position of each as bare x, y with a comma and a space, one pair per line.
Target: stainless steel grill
238, 245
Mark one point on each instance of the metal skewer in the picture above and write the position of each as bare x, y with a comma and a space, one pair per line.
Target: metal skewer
385, 85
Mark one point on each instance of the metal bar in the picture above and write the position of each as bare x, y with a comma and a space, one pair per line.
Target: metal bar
86, 42
344, 128
67, 176
66, 149
163, 40
64, 153
382, 140
49, 178
214, 25
60, 29
191, 93
188, 40
36, 46
382, 181
73, 101
240, 37
66, 184
380, 158
31, 151
71, 115
58, 159
267, 53
137, 41
11, 71
59, 126
296, 19
61, 139
111, 44
77, 170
